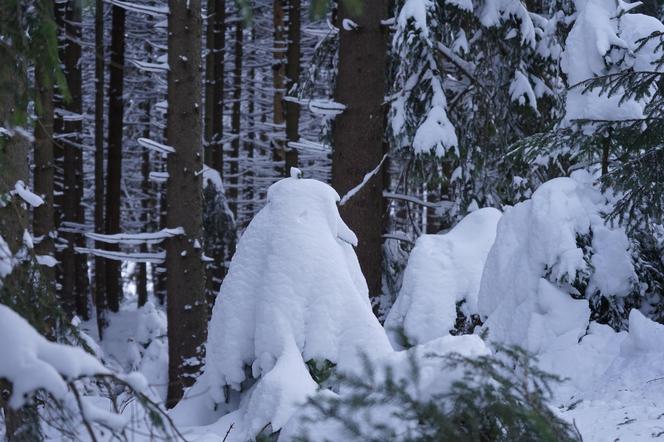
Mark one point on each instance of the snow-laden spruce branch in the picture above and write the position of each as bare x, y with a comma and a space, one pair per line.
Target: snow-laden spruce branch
365, 180
148, 257
154, 11
418, 201
136, 238
155, 146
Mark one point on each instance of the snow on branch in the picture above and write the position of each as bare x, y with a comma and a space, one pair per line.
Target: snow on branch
136, 238
158, 177
365, 180
153, 258
157, 147
415, 200
26, 195
327, 108
150, 67
154, 11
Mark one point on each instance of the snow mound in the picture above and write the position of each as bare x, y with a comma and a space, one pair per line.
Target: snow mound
442, 270
30, 362
294, 293
526, 293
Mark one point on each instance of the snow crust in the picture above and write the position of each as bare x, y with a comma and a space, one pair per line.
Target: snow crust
442, 270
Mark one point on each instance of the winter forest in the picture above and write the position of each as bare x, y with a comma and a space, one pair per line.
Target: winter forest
346, 220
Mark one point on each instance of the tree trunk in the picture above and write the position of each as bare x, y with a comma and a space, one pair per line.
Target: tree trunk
100, 264
44, 217
279, 49
293, 77
186, 306
358, 131
146, 198
114, 174
234, 182
214, 84
74, 267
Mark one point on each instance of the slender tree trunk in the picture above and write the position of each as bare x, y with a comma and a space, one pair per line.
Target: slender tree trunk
114, 175
293, 77
214, 84
358, 131
44, 217
236, 115
186, 306
100, 264
74, 266
279, 49
142, 280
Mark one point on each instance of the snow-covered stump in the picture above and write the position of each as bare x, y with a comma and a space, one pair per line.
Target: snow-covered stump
294, 296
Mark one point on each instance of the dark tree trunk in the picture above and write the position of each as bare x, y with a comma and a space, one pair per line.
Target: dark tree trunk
114, 174
293, 77
44, 217
358, 132
186, 306
74, 267
214, 84
100, 264
279, 48
234, 182
146, 198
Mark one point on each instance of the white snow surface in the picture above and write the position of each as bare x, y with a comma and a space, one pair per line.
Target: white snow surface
442, 270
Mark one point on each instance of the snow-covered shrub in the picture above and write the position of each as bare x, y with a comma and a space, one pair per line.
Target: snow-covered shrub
294, 299
555, 264
440, 397
441, 281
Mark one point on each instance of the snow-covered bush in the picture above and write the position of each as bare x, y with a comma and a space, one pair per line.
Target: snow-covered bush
473, 396
553, 264
294, 299
441, 281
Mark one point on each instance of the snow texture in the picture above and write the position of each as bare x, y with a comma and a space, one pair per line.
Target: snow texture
525, 292
601, 42
30, 362
443, 270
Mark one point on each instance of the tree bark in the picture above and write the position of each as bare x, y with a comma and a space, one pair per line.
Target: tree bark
293, 77
100, 264
186, 306
279, 48
44, 217
114, 173
214, 84
234, 182
358, 131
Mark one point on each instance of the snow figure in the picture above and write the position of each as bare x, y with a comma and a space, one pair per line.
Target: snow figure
294, 298
529, 292
443, 271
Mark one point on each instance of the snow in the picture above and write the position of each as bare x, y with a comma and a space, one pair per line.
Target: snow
155, 146
365, 180
525, 291
442, 270
136, 238
30, 362
27, 196
520, 90
603, 42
